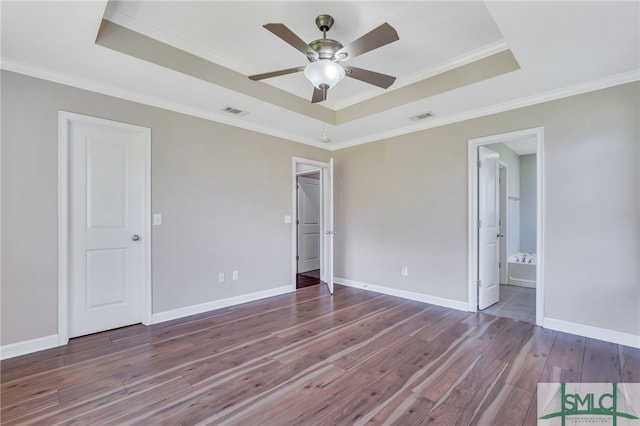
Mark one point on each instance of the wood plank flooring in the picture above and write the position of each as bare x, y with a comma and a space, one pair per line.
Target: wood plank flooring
303, 281
308, 358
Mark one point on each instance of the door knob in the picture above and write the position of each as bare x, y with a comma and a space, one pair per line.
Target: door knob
135, 237
499, 235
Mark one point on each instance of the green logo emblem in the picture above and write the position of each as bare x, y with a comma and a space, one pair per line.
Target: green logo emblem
581, 406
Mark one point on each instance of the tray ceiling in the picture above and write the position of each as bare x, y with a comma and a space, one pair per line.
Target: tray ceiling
455, 59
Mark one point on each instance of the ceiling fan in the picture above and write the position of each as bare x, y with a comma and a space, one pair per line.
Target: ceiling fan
324, 70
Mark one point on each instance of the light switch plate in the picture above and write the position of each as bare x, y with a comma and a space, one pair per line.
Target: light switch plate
157, 219
287, 218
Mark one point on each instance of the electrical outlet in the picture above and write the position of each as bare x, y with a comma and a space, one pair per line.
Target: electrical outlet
221, 277
405, 270
235, 275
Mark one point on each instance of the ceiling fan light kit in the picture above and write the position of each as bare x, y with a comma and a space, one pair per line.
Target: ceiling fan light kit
324, 74
325, 55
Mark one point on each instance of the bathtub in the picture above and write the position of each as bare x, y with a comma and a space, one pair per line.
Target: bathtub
521, 270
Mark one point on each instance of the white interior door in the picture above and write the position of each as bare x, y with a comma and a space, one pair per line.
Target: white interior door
107, 237
308, 223
488, 227
329, 231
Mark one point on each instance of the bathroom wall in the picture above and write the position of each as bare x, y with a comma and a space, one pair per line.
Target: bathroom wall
528, 203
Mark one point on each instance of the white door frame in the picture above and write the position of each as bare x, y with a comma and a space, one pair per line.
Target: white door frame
504, 220
321, 167
538, 133
65, 119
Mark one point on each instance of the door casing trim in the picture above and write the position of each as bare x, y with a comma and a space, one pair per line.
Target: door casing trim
321, 167
504, 220
64, 120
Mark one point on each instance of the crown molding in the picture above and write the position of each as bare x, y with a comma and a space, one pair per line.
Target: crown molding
467, 58
129, 95
171, 39
603, 83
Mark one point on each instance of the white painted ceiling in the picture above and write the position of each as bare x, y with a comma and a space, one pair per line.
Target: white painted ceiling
563, 48
523, 146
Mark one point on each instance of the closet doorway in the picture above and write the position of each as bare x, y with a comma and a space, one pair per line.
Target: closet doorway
316, 258
308, 228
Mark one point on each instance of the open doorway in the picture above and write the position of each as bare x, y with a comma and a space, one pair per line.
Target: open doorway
312, 247
505, 225
308, 213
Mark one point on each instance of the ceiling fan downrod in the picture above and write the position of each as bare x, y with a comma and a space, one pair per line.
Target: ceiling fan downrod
325, 47
324, 24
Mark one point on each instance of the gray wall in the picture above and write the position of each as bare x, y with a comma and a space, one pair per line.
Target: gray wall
528, 203
404, 200
222, 191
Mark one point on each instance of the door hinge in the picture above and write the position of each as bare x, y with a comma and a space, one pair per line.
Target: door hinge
479, 283
479, 163
479, 223
297, 222
297, 257
499, 264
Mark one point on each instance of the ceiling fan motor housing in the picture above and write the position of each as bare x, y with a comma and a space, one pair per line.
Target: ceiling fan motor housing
325, 48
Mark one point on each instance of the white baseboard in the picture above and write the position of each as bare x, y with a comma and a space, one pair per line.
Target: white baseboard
29, 346
592, 332
48, 342
604, 334
411, 295
218, 304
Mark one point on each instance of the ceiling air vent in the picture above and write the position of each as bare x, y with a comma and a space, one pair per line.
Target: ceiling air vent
421, 116
235, 111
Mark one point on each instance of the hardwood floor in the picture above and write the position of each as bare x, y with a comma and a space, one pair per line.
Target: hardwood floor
303, 281
308, 358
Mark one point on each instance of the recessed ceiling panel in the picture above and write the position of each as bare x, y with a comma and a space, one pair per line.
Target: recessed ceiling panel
230, 34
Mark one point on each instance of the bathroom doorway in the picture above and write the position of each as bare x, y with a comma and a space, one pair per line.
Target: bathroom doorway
515, 242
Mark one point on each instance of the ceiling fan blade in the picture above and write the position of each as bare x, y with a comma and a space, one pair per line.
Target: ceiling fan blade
371, 77
275, 73
319, 95
378, 37
291, 38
